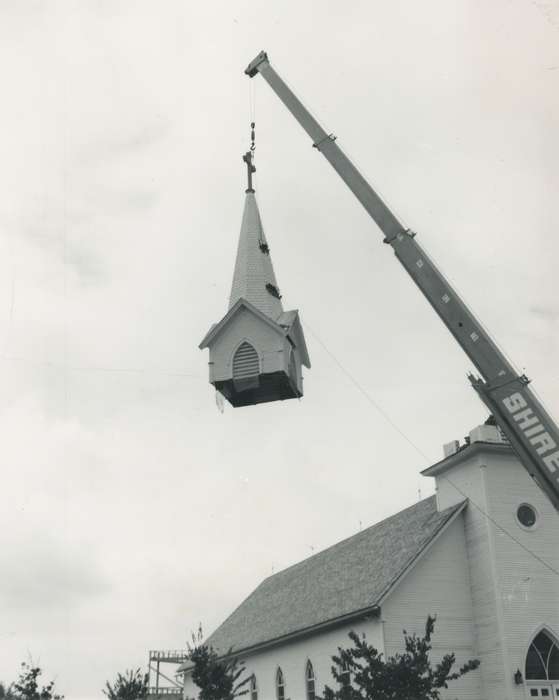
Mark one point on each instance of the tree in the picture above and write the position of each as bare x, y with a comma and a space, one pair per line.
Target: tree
27, 686
217, 678
362, 674
133, 685
6, 692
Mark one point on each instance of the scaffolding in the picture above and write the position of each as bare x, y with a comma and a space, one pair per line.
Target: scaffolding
159, 683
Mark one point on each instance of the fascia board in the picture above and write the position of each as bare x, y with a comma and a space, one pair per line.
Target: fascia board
216, 330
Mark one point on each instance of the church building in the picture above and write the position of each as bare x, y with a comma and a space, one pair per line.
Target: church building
482, 555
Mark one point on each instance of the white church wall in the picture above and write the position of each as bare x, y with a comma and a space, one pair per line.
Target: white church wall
528, 591
292, 659
246, 326
513, 595
439, 584
463, 478
467, 479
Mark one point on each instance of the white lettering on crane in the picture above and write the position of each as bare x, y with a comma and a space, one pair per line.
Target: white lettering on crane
533, 429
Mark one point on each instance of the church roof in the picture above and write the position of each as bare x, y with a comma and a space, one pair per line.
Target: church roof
253, 266
339, 583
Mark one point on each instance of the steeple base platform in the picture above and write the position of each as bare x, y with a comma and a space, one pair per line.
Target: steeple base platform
276, 386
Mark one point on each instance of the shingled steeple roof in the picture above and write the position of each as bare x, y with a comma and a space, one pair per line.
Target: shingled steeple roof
254, 279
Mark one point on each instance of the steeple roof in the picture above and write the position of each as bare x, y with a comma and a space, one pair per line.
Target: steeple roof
253, 267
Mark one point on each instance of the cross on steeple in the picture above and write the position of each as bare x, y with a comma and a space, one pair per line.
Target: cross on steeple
250, 169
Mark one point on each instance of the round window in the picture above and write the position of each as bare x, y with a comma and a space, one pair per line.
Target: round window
526, 515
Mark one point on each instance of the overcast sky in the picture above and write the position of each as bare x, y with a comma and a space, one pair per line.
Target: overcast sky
132, 508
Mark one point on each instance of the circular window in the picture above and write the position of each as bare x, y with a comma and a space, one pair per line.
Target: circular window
527, 515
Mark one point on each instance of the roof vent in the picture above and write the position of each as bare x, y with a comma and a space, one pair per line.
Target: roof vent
451, 448
488, 433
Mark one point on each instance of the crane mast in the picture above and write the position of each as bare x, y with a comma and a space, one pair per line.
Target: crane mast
530, 429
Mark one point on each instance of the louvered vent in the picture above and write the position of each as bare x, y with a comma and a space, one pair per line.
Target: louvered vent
245, 362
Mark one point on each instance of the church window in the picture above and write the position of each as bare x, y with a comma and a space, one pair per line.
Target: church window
526, 515
245, 362
345, 677
310, 681
542, 660
280, 685
253, 688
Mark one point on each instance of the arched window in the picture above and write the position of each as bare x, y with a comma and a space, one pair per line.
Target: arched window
245, 362
542, 660
345, 676
310, 681
280, 685
253, 688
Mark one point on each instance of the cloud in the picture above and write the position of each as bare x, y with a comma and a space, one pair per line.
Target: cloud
126, 143
547, 313
43, 573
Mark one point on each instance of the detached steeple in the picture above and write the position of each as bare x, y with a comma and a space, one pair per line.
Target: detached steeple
257, 349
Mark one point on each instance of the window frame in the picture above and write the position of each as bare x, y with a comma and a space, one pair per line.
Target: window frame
310, 681
280, 684
528, 528
253, 687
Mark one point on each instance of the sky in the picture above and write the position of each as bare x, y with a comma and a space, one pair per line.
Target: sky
132, 508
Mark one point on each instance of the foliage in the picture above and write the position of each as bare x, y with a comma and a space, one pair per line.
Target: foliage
133, 685
6, 692
27, 686
362, 674
217, 678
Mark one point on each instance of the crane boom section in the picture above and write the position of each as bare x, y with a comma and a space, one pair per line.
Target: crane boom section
503, 389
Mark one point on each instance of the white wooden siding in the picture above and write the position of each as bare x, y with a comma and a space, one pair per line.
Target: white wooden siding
513, 595
439, 585
293, 657
269, 344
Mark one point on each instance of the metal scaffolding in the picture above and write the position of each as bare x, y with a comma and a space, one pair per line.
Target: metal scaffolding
159, 683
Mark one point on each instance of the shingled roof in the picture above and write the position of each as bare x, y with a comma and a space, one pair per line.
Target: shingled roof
253, 266
347, 578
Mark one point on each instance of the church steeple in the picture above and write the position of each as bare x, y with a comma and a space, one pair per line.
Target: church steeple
253, 277
257, 350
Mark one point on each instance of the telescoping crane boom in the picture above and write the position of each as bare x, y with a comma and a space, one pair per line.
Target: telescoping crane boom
530, 429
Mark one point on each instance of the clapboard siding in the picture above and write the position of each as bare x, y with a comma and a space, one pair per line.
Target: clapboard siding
468, 478
438, 585
528, 591
292, 658
271, 346
513, 595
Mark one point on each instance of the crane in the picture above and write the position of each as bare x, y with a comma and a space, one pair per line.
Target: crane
530, 429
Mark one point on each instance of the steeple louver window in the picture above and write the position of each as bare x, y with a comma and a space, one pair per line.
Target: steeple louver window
245, 362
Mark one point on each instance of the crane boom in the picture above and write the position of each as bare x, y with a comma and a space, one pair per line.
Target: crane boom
530, 429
